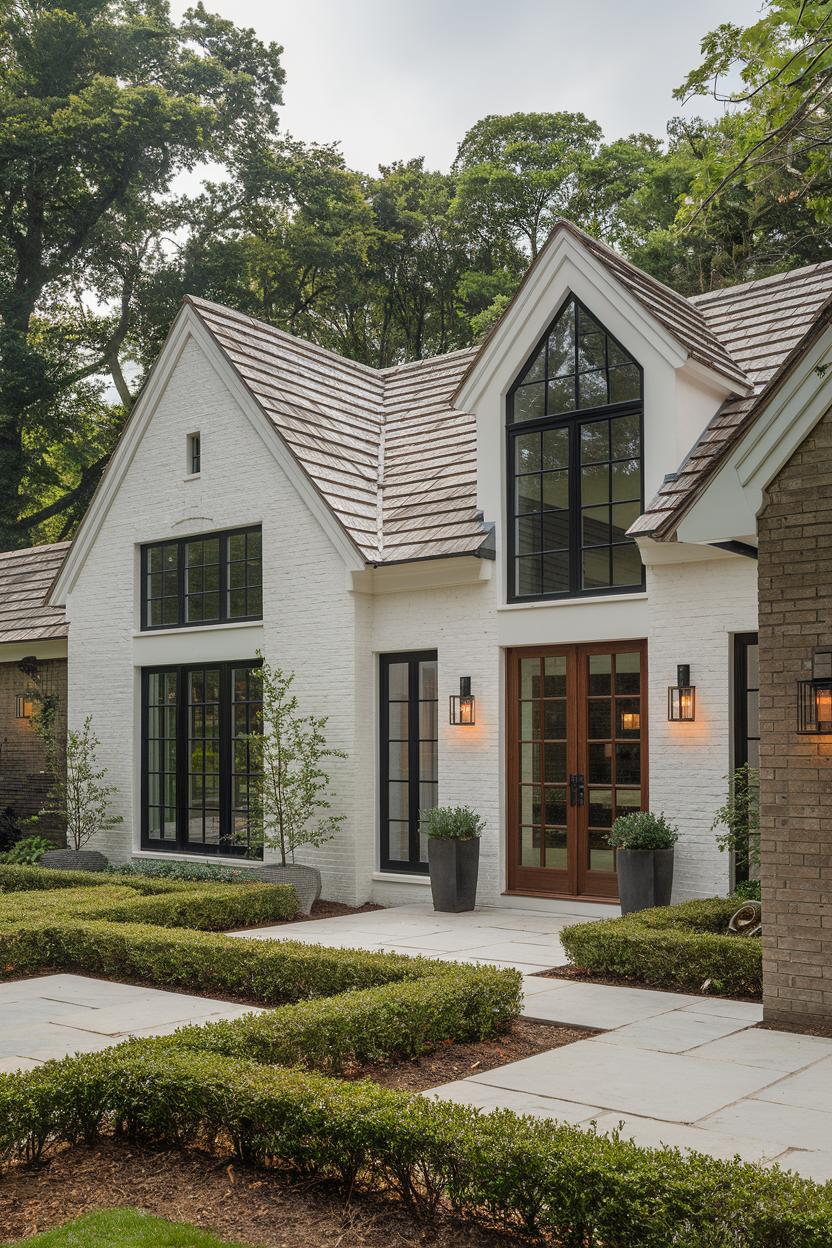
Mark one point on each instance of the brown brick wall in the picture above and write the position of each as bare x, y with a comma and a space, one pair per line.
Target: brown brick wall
23, 778
795, 588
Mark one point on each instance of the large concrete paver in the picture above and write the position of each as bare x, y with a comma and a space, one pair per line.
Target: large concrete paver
672, 1087
678, 1031
809, 1089
780, 1050
52, 1016
600, 1005
650, 1133
793, 1126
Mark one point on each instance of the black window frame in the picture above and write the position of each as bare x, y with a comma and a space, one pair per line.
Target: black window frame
573, 421
413, 658
195, 453
742, 644
181, 544
182, 845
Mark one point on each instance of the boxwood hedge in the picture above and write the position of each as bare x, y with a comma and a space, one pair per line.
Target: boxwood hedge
544, 1179
683, 947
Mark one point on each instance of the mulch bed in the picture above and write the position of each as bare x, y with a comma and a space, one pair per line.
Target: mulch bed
578, 975
253, 1206
457, 1061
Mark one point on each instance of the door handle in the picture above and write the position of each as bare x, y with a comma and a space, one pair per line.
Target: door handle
576, 789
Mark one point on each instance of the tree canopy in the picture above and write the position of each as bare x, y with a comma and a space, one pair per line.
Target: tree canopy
104, 104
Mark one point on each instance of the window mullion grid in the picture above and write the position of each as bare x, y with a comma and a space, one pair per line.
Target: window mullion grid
575, 501
226, 732
413, 760
182, 730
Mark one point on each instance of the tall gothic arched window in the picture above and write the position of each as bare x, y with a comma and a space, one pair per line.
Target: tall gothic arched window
575, 464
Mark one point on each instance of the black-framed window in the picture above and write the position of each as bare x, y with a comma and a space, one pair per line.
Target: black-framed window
746, 715
198, 769
210, 578
409, 715
194, 454
575, 431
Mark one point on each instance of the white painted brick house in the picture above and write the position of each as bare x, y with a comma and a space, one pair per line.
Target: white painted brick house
384, 533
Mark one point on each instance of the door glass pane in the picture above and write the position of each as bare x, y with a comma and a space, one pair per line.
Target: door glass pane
556, 857
531, 842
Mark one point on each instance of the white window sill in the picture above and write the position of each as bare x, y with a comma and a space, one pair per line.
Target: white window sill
192, 476
197, 628
160, 856
573, 602
392, 877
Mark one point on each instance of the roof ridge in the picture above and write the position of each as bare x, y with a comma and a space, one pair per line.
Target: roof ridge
756, 282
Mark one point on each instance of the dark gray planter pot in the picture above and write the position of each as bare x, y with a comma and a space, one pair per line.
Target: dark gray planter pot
73, 860
454, 866
645, 878
306, 881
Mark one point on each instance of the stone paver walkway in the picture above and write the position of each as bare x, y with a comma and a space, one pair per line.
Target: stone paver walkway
668, 1068
55, 1015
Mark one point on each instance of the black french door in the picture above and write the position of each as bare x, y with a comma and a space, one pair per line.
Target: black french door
408, 766
198, 774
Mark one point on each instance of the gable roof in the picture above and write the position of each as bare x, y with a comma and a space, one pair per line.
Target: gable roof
25, 579
764, 324
677, 315
391, 458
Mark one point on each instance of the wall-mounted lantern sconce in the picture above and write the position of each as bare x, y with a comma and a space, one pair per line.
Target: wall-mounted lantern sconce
464, 704
814, 697
681, 697
24, 706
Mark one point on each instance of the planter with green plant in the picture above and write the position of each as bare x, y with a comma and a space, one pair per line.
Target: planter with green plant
453, 856
644, 859
289, 808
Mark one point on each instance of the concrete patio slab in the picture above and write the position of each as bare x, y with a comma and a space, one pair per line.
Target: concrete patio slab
816, 1166
671, 1087
488, 1098
793, 1126
53, 1016
677, 1032
600, 1005
750, 1011
779, 1050
810, 1089
649, 1133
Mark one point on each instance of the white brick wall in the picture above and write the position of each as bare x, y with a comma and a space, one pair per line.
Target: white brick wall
695, 609
331, 638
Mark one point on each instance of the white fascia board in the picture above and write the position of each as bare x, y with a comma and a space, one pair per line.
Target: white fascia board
422, 574
657, 554
188, 326
546, 287
729, 504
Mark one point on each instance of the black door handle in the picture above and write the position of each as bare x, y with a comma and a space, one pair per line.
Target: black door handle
576, 789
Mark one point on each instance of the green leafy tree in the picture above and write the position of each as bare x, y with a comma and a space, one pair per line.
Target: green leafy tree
102, 104
291, 805
781, 141
78, 794
737, 822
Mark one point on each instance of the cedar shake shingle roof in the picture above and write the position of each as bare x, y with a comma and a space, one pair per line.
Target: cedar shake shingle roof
762, 324
393, 460
25, 580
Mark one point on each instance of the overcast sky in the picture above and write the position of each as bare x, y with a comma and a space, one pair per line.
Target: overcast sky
398, 78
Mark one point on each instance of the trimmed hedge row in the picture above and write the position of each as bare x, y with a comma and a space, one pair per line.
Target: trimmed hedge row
270, 972
539, 1177
682, 947
210, 907
328, 1034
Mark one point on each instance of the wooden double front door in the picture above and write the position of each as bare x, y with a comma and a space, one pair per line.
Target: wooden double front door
577, 758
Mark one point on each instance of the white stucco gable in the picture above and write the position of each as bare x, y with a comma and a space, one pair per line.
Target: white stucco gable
189, 335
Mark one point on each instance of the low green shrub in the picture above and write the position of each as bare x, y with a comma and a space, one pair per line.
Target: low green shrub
402, 1019
641, 829
270, 972
452, 823
26, 895
193, 871
542, 1178
28, 850
683, 947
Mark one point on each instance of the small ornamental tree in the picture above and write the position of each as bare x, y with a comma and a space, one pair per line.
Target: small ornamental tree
291, 803
737, 822
79, 796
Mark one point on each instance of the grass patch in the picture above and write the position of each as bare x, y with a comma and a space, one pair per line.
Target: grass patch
682, 947
118, 1228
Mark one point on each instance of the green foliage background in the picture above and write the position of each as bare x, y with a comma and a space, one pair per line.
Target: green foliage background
104, 103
